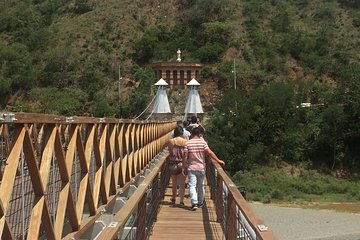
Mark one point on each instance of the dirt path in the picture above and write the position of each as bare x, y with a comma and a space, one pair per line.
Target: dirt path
290, 223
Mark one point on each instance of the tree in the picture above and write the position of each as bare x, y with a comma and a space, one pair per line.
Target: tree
68, 101
210, 52
331, 138
60, 64
145, 47
101, 105
350, 3
82, 6
140, 96
16, 69
215, 32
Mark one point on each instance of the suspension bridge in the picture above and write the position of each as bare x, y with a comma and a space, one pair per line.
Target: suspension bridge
106, 178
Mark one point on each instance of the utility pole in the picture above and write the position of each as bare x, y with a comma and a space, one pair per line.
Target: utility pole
234, 71
234, 75
119, 91
119, 88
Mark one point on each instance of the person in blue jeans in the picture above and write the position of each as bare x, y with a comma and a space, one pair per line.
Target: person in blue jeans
195, 151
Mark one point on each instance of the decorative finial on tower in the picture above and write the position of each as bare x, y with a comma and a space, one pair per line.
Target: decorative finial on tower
178, 55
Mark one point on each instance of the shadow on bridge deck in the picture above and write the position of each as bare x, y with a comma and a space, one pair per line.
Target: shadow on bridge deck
176, 222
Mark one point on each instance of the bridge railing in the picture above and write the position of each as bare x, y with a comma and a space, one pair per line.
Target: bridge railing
136, 218
232, 210
57, 173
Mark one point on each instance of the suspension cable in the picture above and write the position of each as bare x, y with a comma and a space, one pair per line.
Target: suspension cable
146, 107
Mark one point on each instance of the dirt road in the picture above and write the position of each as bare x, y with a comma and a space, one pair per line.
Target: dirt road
289, 223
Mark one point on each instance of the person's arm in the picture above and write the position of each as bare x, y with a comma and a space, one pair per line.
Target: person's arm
171, 135
170, 147
203, 129
213, 156
185, 163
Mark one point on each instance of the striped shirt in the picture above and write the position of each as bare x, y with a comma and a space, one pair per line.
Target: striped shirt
196, 148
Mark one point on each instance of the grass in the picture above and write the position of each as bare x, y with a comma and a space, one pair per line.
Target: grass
269, 185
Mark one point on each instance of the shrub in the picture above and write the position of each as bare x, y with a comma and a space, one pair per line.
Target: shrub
82, 6
101, 105
350, 3
206, 72
269, 184
67, 101
356, 20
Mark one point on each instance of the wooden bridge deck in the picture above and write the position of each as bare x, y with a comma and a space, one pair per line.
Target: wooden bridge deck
176, 222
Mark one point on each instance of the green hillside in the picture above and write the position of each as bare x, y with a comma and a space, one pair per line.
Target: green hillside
63, 56
297, 101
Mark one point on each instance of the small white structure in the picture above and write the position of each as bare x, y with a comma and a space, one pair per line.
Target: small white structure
178, 55
161, 104
193, 104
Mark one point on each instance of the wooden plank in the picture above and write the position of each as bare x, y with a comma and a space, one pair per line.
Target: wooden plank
130, 147
81, 197
11, 168
46, 223
176, 222
119, 146
60, 157
98, 172
61, 210
35, 219
113, 156
47, 156
71, 211
108, 163
10, 173
32, 166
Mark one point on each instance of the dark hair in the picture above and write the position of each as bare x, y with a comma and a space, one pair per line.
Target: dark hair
185, 124
196, 131
178, 131
193, 119
179, 123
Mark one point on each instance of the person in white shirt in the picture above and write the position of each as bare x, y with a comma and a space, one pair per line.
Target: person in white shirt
186, 133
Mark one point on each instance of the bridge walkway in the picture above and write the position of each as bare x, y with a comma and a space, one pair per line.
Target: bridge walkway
177, 222
105, 178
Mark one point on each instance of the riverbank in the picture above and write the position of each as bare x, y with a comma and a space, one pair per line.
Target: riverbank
295, 223
338, 206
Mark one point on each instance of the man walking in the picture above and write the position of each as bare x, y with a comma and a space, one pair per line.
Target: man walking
194, 163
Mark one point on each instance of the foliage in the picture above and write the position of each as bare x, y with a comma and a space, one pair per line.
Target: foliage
67, 101
202, 31
349, 96
60, 64
209, 52
303, 44
140, 97
206, 72
215, 32
82, 6
275, 185
224, 74
144, 47
350, 3
325, 11
356, 20
102, 107
268, 127
203, 11
16, 71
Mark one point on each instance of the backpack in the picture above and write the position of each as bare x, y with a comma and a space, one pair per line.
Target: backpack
175, 161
